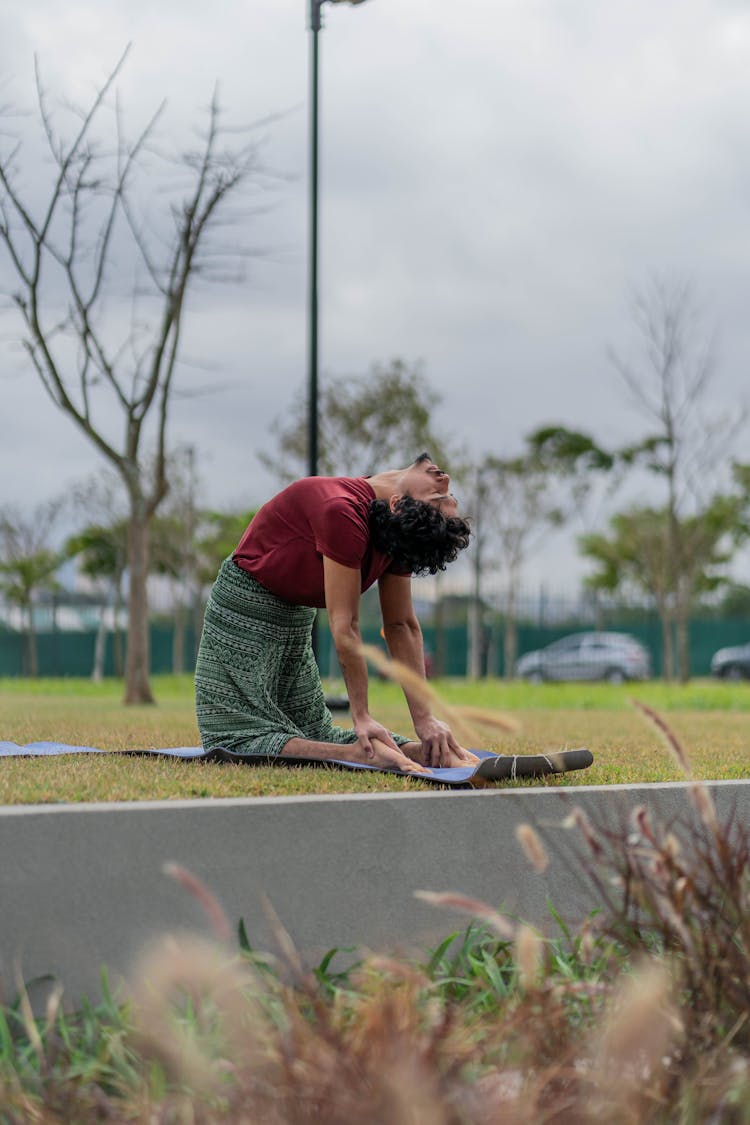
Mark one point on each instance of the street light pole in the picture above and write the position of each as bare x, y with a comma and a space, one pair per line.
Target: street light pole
312, 368
312, 384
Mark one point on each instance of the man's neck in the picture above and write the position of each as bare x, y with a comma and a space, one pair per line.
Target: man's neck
385, 484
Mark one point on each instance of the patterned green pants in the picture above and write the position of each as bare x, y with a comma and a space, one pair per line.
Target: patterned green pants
256, 680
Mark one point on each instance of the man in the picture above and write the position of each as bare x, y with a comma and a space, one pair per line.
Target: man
322, 542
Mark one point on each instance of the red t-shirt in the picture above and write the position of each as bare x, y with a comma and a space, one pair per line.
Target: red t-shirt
283, 547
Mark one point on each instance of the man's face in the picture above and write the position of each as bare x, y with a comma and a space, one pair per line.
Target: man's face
425, 481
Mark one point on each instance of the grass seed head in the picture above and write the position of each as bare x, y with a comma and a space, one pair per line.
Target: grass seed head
175, 976
462, 720
703, 803
27, 1016
641, 820
670, 739
475, 907
206, 898
485, 717
640, 1024
529, 950
403, 675
532, 846
577, 818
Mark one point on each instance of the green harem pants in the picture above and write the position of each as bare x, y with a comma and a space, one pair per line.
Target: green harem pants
257, 683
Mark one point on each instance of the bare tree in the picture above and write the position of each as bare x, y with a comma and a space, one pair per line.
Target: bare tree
513, 502
526, 505
669, 379
68, 246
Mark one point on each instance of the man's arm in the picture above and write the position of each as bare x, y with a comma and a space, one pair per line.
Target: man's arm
403, 636
342, 590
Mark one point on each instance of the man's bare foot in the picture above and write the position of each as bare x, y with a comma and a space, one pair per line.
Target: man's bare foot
385, 757
448, 757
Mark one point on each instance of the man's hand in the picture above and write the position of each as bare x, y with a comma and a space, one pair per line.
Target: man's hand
367, 729
378, 748
439, 747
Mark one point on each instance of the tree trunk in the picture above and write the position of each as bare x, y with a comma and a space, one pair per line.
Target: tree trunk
683, 642
116, 631
197, 623
511, 631
33, 663
667, 670
490, 662
178, 639
510, 647
475, 638
137, 687
97, 671
439, 623
510, 644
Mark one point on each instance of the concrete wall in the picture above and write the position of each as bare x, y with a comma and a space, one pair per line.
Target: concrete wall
82, 885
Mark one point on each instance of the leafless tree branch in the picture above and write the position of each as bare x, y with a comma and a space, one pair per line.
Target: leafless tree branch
73, 247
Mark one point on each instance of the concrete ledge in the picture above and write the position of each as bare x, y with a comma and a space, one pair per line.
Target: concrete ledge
82, 886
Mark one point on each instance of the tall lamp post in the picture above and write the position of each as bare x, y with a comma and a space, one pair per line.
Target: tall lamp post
312, 370
312, 391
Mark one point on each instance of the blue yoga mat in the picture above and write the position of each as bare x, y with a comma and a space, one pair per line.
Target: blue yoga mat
491, 768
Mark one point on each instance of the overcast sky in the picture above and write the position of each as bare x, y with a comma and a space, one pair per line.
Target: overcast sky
496, 175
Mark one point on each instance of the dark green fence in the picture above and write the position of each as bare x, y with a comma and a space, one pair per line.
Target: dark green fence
706, 636
62, 653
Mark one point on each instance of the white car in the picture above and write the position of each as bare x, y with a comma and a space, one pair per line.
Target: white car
732, 663
614, 657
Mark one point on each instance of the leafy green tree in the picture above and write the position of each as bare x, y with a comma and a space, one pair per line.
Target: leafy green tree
366, 423
174, 549
735, 602
741, 479
575, 461
219, 536
682, 457
101, 547
188, 545
636, 559
28, 566
476, 485
103, 553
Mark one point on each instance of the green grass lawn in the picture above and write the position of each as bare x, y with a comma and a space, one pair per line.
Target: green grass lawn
712, 719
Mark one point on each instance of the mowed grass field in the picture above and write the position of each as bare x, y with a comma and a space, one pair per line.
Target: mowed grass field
711, 719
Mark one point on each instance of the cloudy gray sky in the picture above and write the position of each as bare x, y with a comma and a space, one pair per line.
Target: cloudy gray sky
495, 175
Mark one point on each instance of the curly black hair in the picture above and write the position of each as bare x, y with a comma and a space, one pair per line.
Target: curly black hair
416, 535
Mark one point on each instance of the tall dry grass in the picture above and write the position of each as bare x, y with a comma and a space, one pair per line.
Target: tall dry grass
643, 1015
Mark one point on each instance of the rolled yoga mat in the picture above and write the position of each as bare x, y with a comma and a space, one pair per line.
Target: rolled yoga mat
492, 768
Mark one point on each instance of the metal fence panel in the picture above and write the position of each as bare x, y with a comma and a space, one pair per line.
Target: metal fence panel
63, 652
